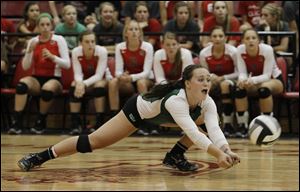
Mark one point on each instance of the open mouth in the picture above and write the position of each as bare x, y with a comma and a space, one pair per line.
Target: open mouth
204, 91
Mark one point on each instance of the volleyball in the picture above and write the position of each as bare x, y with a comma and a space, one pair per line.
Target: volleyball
264, 130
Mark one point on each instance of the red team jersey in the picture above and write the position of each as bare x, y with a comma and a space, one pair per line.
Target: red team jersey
138, 63
221, 66
262, 66
45, 67
133, 60
163, 68
225, 65
88, 65
167, 67
255, 65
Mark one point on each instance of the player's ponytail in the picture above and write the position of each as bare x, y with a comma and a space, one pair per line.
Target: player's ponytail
160, 90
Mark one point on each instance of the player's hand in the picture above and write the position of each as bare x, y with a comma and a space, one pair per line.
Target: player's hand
234, 157
79, 89
225, 161
32, 46
47, 54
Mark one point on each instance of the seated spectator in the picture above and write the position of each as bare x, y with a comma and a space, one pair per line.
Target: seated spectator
221, 61
170, 61
108, 24
28, 25
129, 6
206, 10
148, 25
47, 54
89, 64
271, 21
184, 22
166, 9
221, 18
134, 60
83, 8
258, 75
70, 25
92, 20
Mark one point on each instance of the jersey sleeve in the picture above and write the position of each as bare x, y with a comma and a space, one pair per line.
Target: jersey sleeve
119, 61
233, 54
64, 59
187, 58
157, 68
78, 75
179, 111
241, 65
211, 121
27, 60
101, 67
268, 65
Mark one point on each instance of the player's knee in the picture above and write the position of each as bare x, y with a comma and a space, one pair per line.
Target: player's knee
264, 92
99, 92
21, 88
240, 93
83, 144
47, 95
73, 99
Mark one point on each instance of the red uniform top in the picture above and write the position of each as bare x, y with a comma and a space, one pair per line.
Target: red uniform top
45, 67
225, 65
138, 63
255, 65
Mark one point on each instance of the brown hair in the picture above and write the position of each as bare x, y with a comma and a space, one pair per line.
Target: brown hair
178, 62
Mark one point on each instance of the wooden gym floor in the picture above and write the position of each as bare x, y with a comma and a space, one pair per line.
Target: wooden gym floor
135, 163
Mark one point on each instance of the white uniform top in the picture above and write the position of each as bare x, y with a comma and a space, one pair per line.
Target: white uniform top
148, 60
266, 60
229, 50
177, 106
160, 55
101, 53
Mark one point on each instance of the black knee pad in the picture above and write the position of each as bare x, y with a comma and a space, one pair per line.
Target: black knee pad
83, 144
73, 99
240, 93
21, 88
47, 95
99, 92
264, 92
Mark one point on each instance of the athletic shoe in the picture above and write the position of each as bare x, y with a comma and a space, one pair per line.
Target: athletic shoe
29, 161
242, 131
39, 127
14, 129
76, 128
179, 162
229, 131
142, 132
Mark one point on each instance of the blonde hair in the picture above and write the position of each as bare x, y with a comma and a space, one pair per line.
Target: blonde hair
67, 7
127, 26
274, 10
